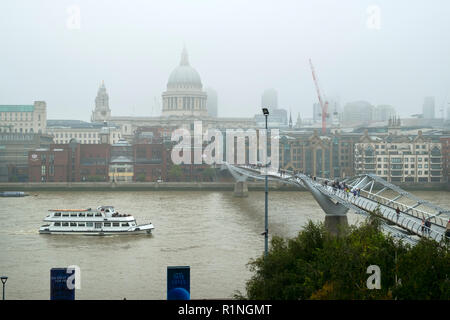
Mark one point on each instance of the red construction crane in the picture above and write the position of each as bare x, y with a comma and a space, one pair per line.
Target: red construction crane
323, 106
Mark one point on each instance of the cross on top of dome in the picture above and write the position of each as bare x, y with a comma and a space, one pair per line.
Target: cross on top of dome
184, 57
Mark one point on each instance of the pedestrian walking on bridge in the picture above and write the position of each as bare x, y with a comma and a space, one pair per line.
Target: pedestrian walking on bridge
398, 212
447, 229
428, 226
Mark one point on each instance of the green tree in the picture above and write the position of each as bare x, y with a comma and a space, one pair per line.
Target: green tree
140, 177
209, 173
318, 265
175, 172
424, 272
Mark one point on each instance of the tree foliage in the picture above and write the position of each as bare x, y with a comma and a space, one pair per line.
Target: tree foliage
175, 172
318, 265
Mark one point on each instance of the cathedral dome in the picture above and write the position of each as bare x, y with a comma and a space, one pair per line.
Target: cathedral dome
184, 76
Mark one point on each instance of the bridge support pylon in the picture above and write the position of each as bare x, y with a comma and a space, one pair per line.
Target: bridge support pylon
241, 189
335, 223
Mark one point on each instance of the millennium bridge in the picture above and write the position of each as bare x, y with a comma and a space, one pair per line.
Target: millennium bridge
375, 196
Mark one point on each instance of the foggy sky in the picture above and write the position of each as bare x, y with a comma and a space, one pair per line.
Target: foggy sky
239, 47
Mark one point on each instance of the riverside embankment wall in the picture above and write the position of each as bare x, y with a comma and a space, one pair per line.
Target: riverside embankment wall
180, 186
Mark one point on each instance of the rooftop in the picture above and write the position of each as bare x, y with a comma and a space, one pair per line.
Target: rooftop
17, 108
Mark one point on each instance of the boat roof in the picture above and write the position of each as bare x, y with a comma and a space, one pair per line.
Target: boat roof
71, 210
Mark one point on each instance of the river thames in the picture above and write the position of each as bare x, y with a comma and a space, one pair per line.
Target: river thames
213, 232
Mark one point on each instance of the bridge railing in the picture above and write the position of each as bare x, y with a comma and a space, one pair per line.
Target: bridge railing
403, 221
405, 208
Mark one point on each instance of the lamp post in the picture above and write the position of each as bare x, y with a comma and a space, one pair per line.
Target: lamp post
266, 210
3, 278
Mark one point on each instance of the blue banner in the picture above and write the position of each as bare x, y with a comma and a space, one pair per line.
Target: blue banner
59, 280
179, 283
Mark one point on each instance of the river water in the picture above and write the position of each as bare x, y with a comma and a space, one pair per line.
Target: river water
213, 232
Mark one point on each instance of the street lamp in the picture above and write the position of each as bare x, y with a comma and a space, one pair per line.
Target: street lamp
3, 278
266, 210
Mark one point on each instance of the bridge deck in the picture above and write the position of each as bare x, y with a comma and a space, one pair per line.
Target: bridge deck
409, 219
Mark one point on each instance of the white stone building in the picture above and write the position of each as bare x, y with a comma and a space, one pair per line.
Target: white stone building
86, 133
24, 118
184, 102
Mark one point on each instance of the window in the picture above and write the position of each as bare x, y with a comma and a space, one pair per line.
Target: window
82, 214
98, 214
89, 224
65, 224
81, 224
116, 224
57, 224
65, 215
57, 214
90, 214
73, 214
73, 224
125, 224
107, 224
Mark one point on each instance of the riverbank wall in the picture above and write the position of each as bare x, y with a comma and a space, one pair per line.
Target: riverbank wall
140, 186
177, 186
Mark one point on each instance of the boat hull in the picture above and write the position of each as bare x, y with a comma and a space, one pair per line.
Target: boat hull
95, 233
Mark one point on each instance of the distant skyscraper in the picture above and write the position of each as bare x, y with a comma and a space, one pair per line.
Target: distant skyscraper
317, 112
211, 102
384, 112
298, 124
428, 108
358, 112
269, 99
101, 111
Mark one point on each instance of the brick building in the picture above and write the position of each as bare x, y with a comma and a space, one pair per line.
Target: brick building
72, 162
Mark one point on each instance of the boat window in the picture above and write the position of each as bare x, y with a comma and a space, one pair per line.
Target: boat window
82, 214
65, 215
73, 214
116, 224
57, 224
73, 224
89, 224
57, 214
107, 224
81, 224
125, 224
65, 224
90, 214
98, 214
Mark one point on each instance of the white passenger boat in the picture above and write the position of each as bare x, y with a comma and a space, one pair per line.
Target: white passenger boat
103, 221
